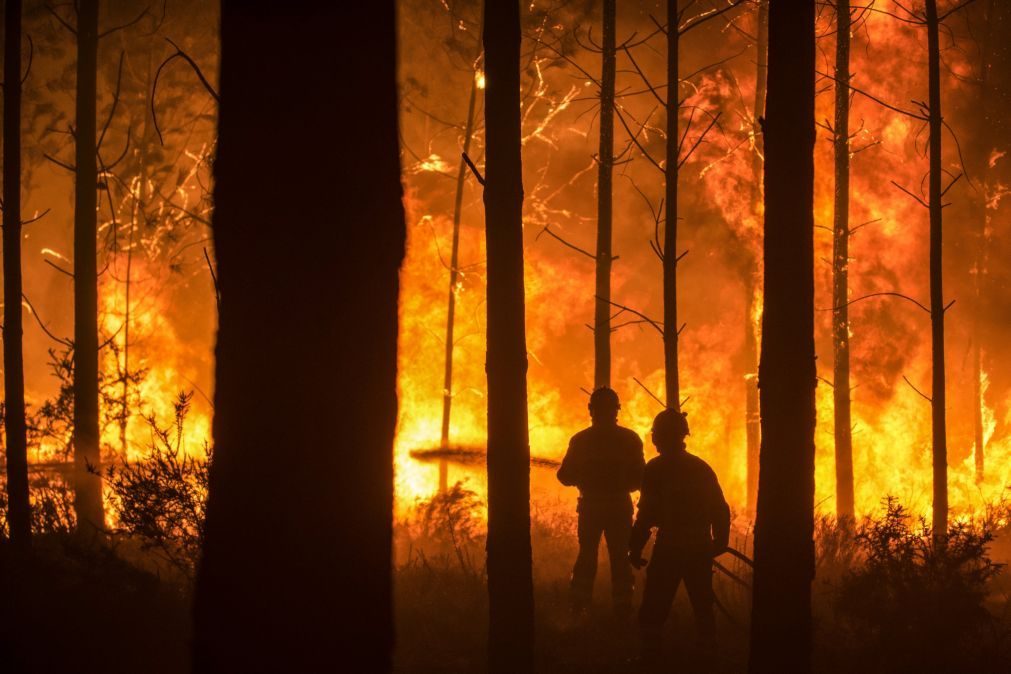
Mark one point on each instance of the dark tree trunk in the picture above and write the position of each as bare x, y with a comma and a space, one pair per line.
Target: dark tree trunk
937, 396
840, 270
672, 380
510, 575
605, 171
87, 453
454, 278
19, 516
296, 571
784, 527
752, 426
994, 124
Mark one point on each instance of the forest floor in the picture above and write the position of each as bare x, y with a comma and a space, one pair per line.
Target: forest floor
72, 608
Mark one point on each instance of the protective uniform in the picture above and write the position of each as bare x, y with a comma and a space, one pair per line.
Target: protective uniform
605, 461
682, 499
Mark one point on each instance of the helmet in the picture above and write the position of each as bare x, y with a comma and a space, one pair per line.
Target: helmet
604, 398
671, 423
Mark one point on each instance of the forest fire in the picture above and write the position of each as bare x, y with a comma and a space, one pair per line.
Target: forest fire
888, 253
340, 341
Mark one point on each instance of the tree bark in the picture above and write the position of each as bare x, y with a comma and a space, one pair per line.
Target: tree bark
784, 528
605, 171
937, 396
19, 516
454, 278
752, 417
510, 576
87, 452
672, 380
840, 270
296, 570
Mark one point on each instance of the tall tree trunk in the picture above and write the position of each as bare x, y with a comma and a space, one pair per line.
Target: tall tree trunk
784, 527
937, 396
19, 516
296, 571
752, 418
840, 269
995, 68
87, 453
510, 575
454, 278
605, 171
670, 227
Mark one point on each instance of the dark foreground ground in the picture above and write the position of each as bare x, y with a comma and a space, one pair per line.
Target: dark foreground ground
77, 610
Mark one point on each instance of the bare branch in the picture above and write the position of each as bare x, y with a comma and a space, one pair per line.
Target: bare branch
125, 25
922, 394
656, 326
31, 310
58, 267
470, 164
922, 202
875, 98
881, 294
59, 163
154, 89
37, 217
702, 18
547, 230
59, 18
634, 138
651, 394
115, 102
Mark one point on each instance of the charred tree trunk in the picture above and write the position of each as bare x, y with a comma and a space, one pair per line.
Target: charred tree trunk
605, 171
840, 270
670, 227
296, 570
993, 120
19, 516
454, 278
752, 418
937, 308
510, 575
87, 452
784, 527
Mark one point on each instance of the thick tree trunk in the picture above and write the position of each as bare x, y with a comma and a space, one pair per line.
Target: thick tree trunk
296, 571
752, 423
510, 576
605, 170
87, 453
784, 528
19, 516
454, 278
670, 228
937, 396
840, 270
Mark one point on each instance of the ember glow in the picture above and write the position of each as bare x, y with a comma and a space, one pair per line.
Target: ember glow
890, 338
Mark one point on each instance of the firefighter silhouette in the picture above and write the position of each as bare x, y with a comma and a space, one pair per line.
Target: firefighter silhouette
605, 462
681, 498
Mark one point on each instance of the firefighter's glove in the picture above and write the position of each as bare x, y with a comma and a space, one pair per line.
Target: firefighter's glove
636, 559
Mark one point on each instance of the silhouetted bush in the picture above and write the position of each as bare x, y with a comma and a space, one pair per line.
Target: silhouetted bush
161, 500
913, 604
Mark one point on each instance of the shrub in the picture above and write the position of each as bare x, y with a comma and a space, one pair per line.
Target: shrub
914, 603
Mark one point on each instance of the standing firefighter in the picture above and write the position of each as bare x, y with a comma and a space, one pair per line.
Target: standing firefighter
682, 499
605, 461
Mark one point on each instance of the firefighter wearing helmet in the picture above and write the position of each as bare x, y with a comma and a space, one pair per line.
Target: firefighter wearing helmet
605, 462
681, 498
